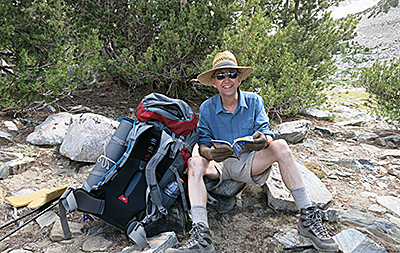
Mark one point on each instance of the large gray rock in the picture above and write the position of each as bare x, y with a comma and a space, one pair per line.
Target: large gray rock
280, 198
378, 227
52, 131
293, 132
390, 202
14, 163
357, 165
316, 113
87, 136
353, 241
228, 188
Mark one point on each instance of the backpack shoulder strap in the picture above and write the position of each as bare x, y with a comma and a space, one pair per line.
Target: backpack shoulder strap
138, 131
155, 192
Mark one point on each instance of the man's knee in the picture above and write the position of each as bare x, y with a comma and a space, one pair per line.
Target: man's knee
280, 147
197, 166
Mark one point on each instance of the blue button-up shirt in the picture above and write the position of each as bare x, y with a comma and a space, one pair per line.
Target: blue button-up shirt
215, 122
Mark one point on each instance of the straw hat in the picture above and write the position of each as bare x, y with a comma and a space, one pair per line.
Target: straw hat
223, 60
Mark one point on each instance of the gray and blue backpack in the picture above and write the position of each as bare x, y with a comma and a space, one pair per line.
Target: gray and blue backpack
139, 176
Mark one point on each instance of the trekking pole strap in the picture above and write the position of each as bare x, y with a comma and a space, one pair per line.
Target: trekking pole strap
67, 203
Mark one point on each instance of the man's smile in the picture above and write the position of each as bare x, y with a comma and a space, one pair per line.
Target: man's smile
227, 86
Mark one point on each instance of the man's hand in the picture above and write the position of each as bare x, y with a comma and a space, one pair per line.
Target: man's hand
260, 142
218, 154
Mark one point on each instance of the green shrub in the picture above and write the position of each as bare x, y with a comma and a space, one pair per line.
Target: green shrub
158, 43
50, 61
382, 82
291, 49
59, 46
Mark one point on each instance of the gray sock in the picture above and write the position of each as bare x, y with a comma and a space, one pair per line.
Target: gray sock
301, 198
199, 214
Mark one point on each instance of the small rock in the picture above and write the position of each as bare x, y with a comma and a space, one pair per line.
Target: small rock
371, 149
11, 125
316, 113
325, 131
350, 123
390, 202
394, 171
157, 244
293, 132
16, 166
393, 219
80, 109
5, 138
376, 209
390, 152
47, 219
292, 239
96, 243
57, 233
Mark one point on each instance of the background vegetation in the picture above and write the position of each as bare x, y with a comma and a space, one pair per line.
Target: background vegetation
60, 46
382, 82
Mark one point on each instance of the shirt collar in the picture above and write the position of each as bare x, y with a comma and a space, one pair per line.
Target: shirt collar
242, 102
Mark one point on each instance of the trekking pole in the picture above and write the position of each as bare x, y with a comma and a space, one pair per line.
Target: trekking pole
298, 248
26, 223
23, 216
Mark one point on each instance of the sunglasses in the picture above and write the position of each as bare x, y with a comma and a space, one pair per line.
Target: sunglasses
222, 75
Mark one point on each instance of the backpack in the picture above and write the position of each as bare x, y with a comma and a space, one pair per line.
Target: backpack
138, 177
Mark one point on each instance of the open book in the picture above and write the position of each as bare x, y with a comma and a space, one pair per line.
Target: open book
237, 147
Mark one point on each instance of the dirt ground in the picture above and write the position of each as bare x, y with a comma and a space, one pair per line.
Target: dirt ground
246, 228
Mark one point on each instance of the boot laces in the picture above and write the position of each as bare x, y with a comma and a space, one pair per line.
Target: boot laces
195, 237
314, 218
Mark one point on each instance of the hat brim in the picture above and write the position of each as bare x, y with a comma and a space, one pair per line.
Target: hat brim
206, 77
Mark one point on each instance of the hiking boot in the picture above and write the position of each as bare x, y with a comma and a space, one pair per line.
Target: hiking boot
199, 241
310, 226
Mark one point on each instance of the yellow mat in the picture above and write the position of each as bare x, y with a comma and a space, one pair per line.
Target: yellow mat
37, 198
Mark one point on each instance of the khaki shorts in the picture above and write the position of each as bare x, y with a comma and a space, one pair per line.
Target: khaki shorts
240, 170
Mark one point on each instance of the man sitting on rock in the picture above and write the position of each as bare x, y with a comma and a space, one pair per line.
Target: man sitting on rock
226, 116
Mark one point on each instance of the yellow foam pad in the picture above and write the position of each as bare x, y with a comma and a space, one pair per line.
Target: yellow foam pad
25, 199
48, 196
37, 198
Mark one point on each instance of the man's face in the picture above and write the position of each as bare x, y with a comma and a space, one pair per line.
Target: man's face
226, 81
